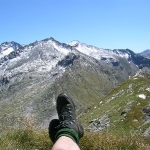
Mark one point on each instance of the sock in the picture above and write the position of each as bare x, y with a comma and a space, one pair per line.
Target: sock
69, 133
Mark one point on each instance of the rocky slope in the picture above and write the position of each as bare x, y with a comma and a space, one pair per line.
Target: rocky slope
125, 110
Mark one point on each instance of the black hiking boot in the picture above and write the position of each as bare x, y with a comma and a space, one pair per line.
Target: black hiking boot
66, 113
52, 129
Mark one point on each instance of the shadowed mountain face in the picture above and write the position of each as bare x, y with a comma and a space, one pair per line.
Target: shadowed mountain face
32, 76
145, 53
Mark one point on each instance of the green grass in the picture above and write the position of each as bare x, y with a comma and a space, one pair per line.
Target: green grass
123, 124
107, 141
30, 139
25, 139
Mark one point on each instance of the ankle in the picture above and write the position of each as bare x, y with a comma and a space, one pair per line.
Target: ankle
68, 133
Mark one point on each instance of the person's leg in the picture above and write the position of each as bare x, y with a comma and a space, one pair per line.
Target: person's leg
66, 131
65, 143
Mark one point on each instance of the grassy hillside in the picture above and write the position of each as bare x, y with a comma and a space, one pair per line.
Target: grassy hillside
122, 112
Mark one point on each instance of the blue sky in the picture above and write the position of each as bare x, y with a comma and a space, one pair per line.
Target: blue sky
111, 24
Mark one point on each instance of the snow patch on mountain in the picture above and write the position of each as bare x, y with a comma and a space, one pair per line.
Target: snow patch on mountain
142, 96
148, 89
6, 51
122, 53
7, 47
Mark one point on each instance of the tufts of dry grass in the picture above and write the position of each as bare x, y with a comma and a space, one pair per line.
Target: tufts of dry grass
25, 139
39, 140
107, 141
28, 137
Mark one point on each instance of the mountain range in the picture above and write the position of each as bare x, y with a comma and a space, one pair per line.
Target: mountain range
32, 76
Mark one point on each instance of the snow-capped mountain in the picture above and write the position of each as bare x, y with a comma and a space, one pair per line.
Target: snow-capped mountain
42, 56
37, 57
111, 56
32, 76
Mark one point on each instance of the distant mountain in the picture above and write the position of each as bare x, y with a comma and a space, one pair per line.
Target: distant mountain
145, 53
32, 76
111, 56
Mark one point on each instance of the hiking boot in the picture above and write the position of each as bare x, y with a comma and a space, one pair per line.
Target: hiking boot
52, 129
66, 113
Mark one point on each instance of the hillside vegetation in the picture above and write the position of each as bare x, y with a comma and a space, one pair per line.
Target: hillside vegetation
119, 121
125, 111
31, 139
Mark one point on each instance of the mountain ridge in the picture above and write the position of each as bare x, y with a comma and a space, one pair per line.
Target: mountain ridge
73, 43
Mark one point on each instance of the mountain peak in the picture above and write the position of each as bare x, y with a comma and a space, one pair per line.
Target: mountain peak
145, 53
74, 43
